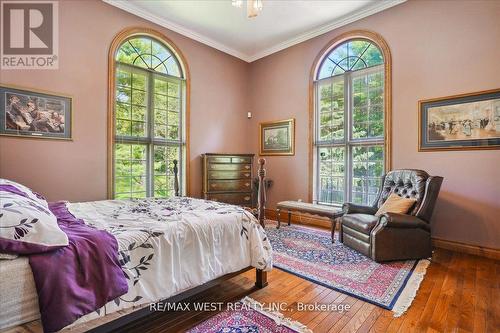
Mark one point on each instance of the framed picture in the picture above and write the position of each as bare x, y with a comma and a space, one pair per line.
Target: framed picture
467, 121
34, 114
277, 137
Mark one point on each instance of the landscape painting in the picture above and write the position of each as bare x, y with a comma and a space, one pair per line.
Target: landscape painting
26, 113
277, 138
461, 122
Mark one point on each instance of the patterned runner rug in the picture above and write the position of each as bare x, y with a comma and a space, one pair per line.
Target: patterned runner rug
249, 316
310, 254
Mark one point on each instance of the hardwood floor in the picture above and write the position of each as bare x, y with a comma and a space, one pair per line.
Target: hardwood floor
460, 293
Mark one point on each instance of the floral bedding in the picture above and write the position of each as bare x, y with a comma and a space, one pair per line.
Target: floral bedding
167, 246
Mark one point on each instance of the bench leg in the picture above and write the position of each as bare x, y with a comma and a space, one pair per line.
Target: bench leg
334, 226
289, 217
278, 211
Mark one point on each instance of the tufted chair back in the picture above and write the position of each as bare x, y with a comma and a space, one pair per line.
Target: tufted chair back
412, 183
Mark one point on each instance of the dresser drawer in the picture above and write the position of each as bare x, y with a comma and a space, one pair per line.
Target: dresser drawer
229, 175
241, 159
229, 185
244, 199
219, 159
230, 167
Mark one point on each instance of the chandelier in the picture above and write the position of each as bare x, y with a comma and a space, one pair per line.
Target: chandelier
253, 6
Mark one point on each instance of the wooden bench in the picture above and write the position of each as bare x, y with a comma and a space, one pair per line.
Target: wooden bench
320, 210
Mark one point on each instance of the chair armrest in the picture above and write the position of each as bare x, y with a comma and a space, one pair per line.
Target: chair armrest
396, 220
351, 208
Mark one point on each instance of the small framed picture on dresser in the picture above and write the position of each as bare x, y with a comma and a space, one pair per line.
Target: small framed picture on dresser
32, 113
277, 137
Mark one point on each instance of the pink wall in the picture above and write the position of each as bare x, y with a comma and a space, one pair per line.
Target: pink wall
76, 170
439, 48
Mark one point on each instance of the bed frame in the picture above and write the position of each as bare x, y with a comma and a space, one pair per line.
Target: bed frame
260, 276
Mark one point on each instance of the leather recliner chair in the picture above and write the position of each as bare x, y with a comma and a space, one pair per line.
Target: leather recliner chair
394, 236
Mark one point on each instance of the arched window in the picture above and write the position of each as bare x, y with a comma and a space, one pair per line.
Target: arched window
350, 122
148, 118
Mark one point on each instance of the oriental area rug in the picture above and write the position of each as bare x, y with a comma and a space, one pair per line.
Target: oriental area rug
310, 254
249, 316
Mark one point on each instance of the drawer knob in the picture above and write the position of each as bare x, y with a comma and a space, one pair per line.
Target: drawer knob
247, 184
246, 198
247, 174
247, 167
214, 185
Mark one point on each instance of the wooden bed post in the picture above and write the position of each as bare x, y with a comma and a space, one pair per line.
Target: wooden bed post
260, 278
176, 178
261, 198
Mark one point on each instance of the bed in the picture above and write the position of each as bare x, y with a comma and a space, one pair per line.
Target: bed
168, 249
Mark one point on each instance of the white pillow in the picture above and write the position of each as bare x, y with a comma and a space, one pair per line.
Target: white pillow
26, 190
27, 226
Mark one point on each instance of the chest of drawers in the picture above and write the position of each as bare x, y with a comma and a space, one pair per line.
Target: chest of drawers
228, 178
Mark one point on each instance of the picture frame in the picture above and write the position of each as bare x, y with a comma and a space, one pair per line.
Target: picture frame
460, 122
277, 138
30, 113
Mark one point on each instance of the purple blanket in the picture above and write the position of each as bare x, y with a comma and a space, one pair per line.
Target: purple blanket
79, 278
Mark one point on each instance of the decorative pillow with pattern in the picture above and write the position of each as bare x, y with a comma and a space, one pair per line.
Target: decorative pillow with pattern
11, 186
27, 226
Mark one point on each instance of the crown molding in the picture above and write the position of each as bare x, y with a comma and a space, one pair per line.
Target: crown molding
133, 9
377, 7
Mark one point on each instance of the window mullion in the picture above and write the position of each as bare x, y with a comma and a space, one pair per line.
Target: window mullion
348, 136
150, 130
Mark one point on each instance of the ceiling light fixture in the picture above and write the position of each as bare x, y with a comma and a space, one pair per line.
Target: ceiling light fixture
253, 6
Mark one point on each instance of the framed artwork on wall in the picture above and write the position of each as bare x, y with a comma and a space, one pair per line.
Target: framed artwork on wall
460, 122
277, 137
30, 113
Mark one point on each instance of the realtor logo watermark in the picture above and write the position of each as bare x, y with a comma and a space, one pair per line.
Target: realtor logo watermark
29, 35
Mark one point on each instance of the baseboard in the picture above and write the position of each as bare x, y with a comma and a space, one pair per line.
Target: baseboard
466, 248
436, 242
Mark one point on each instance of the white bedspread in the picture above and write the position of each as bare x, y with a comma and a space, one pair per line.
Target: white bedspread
168, 246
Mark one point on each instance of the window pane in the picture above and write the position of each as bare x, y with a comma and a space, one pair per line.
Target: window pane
367, 168
163, 169
160, 117
139, 81
160, 86
138, 129
123, 78
130, 169
123, 127
368, 106
331, 174
331, 110
123, 95
174, 89
139, 113
160, 102
173, 104
139, 97
122, 110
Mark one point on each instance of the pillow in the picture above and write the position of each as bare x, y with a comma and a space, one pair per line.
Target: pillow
11, 186
27, 226
396, 204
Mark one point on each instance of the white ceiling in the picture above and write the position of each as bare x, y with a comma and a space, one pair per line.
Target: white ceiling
281, 23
